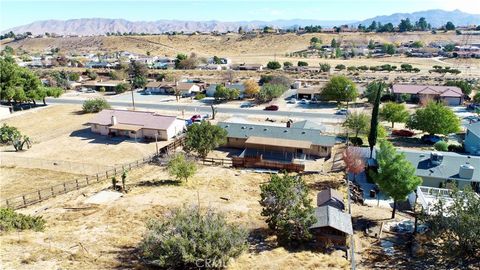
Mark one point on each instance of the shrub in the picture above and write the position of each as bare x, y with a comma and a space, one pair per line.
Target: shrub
181, 168
441, 146
199, 96
456, 148
363, 68
95, 105
188, 238
9, 220
302, 64
274, 65
340, 67
101, 89
324, 67
121, 88
356, 141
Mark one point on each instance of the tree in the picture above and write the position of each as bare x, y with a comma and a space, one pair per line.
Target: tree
462, 84
285, 203
91, 74
181, 168
455, 224
11, 135
189, 238
340, 88
121, 88
251, 88
270, 91
74, 77
394, 113
476, 98
449, 26
179, 59
449, 47
422, 24
354, 161
204, 137
274, 65
371, 91
334, 43
314, 41
50, 92
435, 118
302, 64
396, 175
372, 27
405, 25
138, 72
372, 135
287, 64
371, 44
224, 93
357, 122
324, 67
389, 48
95, 105
441, 146
217, 60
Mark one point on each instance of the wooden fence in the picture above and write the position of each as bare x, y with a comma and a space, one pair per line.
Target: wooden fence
226, 162
40, 195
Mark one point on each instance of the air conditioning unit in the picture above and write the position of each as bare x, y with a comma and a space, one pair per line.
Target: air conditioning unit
436, 158
466, 171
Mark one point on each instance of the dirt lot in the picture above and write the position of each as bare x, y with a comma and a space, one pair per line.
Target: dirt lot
59, 133
83, 236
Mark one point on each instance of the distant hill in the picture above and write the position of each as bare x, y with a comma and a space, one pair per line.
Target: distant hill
100, 26
436, 17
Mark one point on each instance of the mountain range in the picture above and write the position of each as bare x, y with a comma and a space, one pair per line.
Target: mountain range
100, 26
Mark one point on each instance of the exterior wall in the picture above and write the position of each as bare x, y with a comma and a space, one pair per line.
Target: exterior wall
235, 142
102, 130
472, 143
151, 133
452, 101
316, 150
441, 183
176, 128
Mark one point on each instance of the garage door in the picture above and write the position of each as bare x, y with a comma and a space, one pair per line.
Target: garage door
452, 101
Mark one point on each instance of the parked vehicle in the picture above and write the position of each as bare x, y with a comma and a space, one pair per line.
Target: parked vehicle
342, 112
403, 133
90, 91
271, 108
195, 117
473, 107
292, 101
246, 105
303, 101
430, 139
147, 92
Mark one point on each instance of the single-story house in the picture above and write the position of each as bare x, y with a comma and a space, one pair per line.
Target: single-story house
439, 169
211, 67
108, 85
332, 225
212, 88
136, 124
307, 124
309, 93
160, 87
451, 95
278, 141
253, 67
472, 139
187, 87
330, 197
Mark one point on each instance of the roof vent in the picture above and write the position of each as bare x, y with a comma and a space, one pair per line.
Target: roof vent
265, 129
466, 171
244, 127
436, 158
285, 131
251, 128
227, 126
303, 132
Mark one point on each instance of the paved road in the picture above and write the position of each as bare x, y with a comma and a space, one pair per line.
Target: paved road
206, 109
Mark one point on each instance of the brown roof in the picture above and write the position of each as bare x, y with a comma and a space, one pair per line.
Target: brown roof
444, 91
181, 86
149, 120
309, 90
158, 84
328, 194
103, 83
278, 142
126, 127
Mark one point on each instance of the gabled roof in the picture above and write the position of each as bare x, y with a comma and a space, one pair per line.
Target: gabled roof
243, 130
308, 124
158, 84
474, 128
444, 91
181, 86
327, 195
149, 120
329, 216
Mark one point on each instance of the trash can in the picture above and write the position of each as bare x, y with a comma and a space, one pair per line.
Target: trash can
373, 193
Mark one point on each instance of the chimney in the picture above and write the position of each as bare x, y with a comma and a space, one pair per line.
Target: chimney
289, 123
114, 120
466, 171
436, 158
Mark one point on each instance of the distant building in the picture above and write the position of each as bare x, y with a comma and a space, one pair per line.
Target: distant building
136, 124
472, 139
109, 85
212, 88
451, 95
332, 225
252, 67
309, 93
160, 87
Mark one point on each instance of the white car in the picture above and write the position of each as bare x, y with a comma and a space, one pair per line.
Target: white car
304, 101
292, 101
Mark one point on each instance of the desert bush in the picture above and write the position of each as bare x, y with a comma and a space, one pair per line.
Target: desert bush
456, 148
181, 168
340, 67
95, 105
199, 96
188, 237
441, 146
10, 220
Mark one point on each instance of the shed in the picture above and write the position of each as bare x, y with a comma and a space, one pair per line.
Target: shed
330, 197
332, 225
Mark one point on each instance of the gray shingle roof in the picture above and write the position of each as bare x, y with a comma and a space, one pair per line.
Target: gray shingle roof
449, 167
241, 130
474, 128
308, 124
329, 216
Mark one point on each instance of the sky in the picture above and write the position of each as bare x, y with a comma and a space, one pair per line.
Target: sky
19, 12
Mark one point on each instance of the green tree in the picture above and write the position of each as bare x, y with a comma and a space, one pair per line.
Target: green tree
285, 203
181, 168
357, 122
334, 43
476, 97
95, 105
179, 59
188, 238
396, 175
449, 26
270, 91
274, 65
371, 92
372, 135
314, 41
138, 71
457, 232
435, 118
340, 88
121, 88
405, 25
204, 137
287, 64
449, 47
371, 44
462, 84
394, 113
302, 64
422, 24
74, 76
389, 48
11, 135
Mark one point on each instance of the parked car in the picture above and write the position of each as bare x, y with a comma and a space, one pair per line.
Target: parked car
246, 105
473, 107
292, 101
90, 91
403, 133
195, 117
271, 108
147, 92
342, 112
430, 139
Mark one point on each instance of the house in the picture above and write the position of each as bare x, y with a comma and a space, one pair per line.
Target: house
450, 95
330, 197
276, 147
5, 111
253, 67
212, 88
160, 88
187, 88
332, 225
309, 93
307, 124
211, 67
472, 139
441, 169
136, 124
109, 85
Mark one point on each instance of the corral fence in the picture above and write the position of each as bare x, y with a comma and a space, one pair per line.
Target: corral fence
40, 195
225, 162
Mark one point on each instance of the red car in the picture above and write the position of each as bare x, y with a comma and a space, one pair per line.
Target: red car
402, 133
271, 108
195, 117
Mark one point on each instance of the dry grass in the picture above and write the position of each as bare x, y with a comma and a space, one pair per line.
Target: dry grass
82, 236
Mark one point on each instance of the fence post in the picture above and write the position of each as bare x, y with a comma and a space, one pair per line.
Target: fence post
53, 193
106, 174
39, 195
115, 171
8, 204
97, 178
87, 179
24, 201
76, 181
64, 188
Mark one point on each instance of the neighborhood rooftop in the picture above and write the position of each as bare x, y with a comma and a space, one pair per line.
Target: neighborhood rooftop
243, 130
148, 120
329, 216
444, 91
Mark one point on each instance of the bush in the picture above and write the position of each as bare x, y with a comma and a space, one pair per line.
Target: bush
324, 67
188, 238
441, 146
181, 168
9, 220
199, 96
356, 141
95, 105
340, 67
101, 89
121, 88
456, 148
274, 65
302, 64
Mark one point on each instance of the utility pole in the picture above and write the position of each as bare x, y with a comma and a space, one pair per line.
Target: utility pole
133, 98
156, 142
